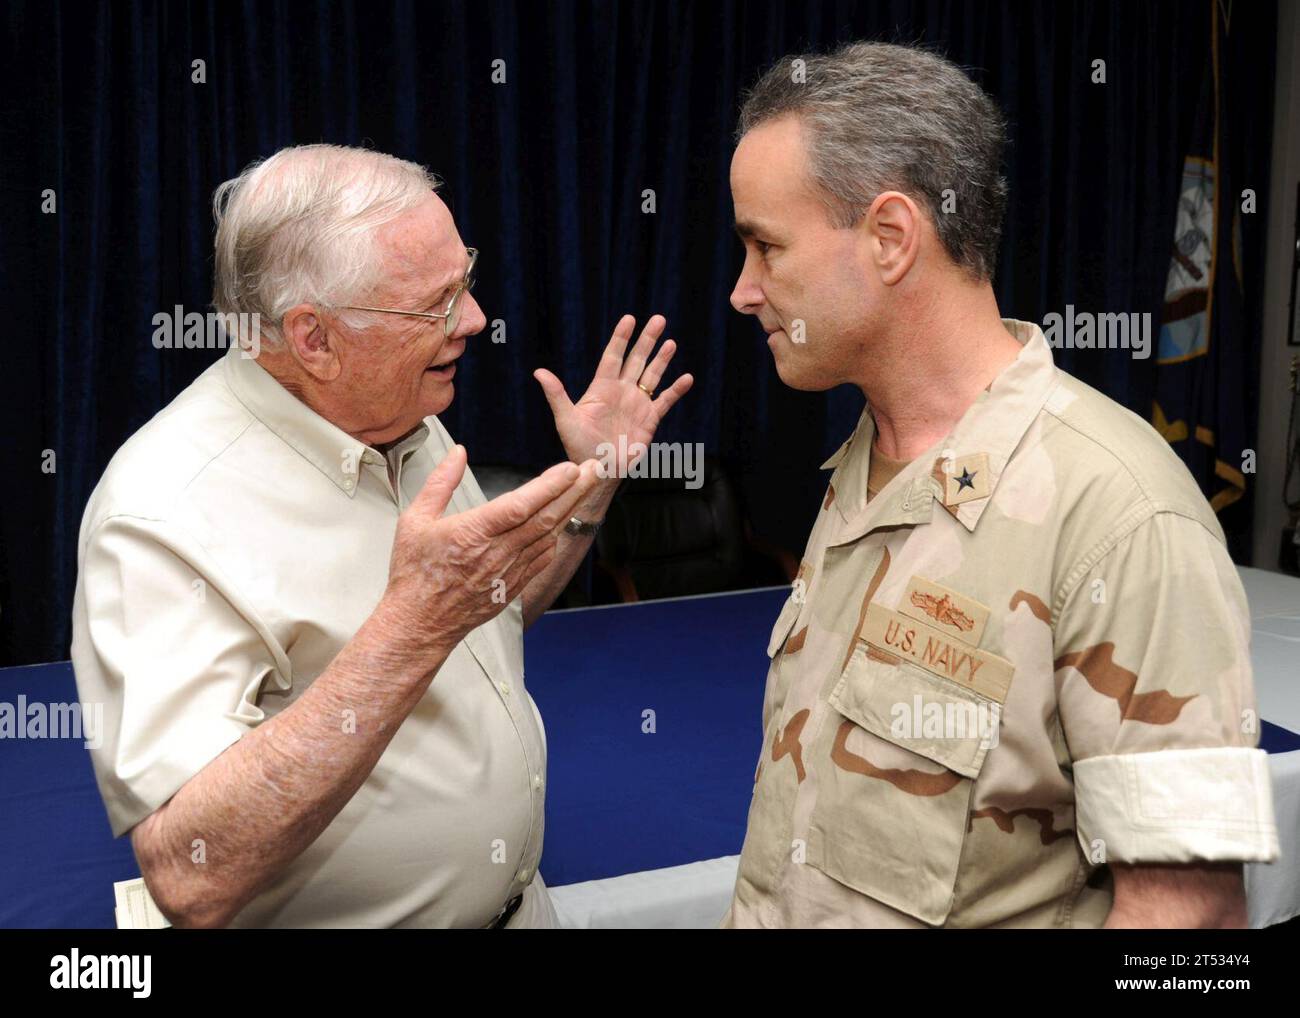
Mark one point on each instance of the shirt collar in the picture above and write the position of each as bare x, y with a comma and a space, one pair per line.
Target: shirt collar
328, 448
982, 442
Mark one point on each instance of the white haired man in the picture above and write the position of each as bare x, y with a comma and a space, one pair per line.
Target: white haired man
300, 613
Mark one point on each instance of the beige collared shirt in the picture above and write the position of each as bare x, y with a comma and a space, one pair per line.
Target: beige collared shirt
1025, 657
233, 547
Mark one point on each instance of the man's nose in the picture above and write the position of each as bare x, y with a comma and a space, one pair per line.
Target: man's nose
747, 297
472, 320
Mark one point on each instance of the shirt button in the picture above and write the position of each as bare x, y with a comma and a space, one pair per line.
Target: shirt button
348, 483
505, 688
524, 875
907, 505
537, 781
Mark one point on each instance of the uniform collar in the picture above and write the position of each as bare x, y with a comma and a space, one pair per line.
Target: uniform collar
328, 448
977, 450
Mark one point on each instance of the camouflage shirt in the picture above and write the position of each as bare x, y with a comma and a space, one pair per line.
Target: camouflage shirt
1027, 656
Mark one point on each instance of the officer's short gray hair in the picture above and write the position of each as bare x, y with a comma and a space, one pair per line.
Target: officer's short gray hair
300, 227
883, 117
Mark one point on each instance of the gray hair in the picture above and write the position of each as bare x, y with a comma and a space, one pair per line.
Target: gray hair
300, 227
883, 117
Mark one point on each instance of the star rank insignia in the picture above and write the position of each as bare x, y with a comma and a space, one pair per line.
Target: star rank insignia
967, 480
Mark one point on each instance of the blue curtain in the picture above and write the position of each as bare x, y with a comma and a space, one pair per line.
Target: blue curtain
545, 173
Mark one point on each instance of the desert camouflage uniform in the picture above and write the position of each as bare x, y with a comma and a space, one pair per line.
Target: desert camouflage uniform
1051, 565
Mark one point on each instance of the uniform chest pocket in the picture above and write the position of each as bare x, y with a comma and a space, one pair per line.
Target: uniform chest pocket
897, 757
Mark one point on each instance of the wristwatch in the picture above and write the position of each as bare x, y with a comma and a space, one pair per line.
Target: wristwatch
577, 527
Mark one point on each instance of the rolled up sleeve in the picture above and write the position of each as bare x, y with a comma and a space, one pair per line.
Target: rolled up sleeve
1156, 702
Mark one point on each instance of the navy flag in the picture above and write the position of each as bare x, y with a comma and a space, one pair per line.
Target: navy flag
1201, 356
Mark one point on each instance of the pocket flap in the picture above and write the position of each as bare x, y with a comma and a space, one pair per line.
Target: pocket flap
917, 711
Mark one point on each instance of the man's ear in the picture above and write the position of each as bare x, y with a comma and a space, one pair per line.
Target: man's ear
893, 227
308, 340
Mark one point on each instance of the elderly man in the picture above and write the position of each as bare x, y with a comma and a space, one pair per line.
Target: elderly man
1011, 686
303, 618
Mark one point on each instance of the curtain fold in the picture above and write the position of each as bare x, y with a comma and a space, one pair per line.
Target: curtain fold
545, 173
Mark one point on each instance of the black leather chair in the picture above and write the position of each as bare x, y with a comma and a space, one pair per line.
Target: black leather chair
663, 539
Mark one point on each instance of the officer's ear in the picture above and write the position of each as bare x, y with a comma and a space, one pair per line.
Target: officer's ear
892, 231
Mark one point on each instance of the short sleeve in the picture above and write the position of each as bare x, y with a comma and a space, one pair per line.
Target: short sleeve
160, 649
1156, 701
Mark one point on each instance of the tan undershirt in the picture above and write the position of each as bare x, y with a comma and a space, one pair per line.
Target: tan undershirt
882, 471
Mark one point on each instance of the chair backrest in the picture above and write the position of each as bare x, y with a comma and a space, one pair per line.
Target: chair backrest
670, 540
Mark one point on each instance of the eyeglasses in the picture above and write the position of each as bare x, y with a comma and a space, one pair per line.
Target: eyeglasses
450, 317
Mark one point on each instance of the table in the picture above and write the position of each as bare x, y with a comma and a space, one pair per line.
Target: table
652, 714
627, 814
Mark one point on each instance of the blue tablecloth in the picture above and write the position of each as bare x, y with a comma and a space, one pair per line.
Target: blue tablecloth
620, 799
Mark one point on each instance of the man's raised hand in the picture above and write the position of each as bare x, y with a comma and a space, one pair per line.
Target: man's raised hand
449, 575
